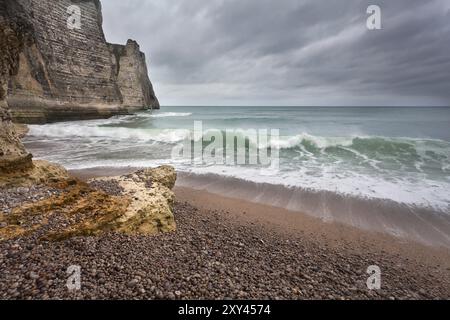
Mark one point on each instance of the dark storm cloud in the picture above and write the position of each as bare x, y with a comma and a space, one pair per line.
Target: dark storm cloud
289, 52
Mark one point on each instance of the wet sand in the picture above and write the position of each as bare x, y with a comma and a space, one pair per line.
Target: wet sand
330, 234
421, 224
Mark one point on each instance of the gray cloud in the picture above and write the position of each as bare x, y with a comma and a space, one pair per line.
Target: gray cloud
290, 52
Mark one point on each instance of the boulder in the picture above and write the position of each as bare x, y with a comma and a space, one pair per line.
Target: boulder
141, 203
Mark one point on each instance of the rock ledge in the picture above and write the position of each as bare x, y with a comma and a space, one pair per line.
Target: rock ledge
136, 204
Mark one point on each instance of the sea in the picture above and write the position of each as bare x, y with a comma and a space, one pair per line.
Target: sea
386, 169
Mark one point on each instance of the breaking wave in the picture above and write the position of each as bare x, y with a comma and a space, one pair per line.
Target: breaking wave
421, 155
330, 163
169, 114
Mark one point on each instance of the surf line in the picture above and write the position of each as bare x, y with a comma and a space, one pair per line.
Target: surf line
230, 146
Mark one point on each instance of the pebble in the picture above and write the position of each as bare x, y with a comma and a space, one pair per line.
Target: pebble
211, 258
133, 283
34, 275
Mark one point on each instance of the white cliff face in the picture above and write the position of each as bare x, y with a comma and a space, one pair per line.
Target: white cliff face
132, 75
69, 74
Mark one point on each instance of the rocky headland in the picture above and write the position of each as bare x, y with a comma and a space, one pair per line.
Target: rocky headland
59, 73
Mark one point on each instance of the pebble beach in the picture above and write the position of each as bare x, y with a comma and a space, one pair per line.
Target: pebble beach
212, 255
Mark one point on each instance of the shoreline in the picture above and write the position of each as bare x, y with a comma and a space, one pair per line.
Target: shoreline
223, 248
330, 234
399, 221
419, 224
279, 218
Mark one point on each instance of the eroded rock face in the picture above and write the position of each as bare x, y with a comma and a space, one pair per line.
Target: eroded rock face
150, 201
67, 74
137, 204
131, 74
35, 173
13, 155
49, 73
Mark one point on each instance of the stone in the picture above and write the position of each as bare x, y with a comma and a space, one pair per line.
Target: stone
139, 210
164, 175
133, 283
151, 208
40, 172
13, 155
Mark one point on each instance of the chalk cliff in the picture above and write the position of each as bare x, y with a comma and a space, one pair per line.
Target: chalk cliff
49, 73
13, 155
60, 73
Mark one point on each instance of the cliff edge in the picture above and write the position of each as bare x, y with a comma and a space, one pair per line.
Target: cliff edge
60, 73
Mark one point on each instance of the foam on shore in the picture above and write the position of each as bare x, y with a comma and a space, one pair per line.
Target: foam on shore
405, 221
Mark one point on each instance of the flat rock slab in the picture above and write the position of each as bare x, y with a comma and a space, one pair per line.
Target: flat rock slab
64, 207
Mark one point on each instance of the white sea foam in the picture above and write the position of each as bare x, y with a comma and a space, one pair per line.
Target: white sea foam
333, 162
169, 114
320, 142
88, 130
423, 193
421, 223
406, 170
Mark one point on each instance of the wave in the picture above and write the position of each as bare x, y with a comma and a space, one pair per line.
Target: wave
169, 114
397, 152
305, 138
316, 143
419, 154
374, 142
110, 133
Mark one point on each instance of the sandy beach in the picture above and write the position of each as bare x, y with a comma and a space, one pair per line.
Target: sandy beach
400, 256
227, 248
329, 234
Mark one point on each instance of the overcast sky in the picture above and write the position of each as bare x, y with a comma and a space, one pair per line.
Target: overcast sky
289, 52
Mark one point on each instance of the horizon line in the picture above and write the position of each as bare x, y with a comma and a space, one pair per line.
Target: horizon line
311, 106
